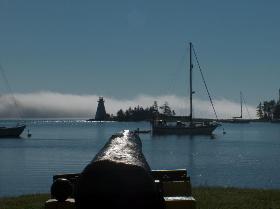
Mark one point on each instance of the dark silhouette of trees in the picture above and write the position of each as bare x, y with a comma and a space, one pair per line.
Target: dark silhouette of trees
140, 114
260, 111
268, 110
120, 114
166, 110
155, 107
276, 113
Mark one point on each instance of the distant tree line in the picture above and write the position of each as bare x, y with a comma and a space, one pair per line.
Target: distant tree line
140, 114
268, 110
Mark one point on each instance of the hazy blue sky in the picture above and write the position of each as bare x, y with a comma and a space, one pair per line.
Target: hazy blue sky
122, 49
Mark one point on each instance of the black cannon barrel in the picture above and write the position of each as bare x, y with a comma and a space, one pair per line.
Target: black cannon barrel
118, 177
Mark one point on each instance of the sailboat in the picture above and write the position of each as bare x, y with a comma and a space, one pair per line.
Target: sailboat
190, 128
239, 119
11, 131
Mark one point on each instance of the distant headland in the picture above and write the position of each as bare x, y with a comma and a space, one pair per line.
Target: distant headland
138, 113
267, 111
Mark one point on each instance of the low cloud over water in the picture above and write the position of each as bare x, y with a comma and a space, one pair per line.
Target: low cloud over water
58, 105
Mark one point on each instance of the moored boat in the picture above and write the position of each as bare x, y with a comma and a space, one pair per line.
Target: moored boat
11, 132
203, 128
16, 130
239, 119
193, 127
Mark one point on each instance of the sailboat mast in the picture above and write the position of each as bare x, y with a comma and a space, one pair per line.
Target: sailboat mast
241, 103
191, 91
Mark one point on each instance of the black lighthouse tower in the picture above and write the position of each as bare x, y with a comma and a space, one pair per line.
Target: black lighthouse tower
100, 111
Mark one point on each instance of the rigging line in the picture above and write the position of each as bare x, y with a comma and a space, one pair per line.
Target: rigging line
204, 82
10, 90
246, 106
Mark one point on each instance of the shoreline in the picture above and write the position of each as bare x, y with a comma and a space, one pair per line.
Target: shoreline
206, 197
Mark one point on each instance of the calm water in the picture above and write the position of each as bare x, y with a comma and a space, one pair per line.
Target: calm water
248, 155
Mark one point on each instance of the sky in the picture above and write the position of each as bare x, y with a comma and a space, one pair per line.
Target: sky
60, 56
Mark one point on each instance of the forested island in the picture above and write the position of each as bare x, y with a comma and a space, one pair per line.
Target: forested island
144, 114
138, 113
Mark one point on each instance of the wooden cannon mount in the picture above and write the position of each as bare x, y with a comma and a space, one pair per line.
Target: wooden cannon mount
120, 177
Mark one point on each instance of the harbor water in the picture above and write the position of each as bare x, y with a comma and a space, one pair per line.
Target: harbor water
247, 156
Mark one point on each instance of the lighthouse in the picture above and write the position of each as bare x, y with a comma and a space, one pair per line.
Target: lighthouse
100, 111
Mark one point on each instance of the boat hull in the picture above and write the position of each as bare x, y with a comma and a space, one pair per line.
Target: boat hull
11, 132
275, 121
189, 130
236, 121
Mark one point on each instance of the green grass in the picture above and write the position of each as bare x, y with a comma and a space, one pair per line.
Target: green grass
233, 198
35, 201
206, 197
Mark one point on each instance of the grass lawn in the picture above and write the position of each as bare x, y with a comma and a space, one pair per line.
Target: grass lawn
35, 201
234, 198
206, 197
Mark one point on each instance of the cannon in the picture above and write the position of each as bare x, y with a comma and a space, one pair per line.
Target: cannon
120, 177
